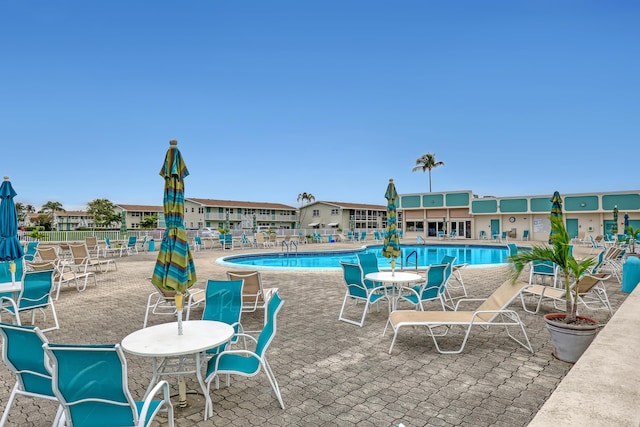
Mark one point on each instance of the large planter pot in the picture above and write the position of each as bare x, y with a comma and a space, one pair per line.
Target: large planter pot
569, 340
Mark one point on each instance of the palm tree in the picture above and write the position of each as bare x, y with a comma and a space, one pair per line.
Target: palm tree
427, 162
557, 253
49, 209
304, 197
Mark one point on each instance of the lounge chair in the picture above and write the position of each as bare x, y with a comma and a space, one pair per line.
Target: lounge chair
492, 312
82, 260
482, 235
254, 295
525, 235
92, 244
592, 294
63, 273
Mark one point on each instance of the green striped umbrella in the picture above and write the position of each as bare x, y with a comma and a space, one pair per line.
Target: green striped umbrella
391, 244
255, 224
10, 247
226, 222
174, 269
556, 209
123, 223
614, 227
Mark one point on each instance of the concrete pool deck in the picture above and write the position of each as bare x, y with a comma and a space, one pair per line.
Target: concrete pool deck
334, 373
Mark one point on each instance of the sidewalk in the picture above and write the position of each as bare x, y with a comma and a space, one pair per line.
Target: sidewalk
329, 372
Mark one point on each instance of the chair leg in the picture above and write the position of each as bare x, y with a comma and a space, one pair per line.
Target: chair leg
12, 397
272, 380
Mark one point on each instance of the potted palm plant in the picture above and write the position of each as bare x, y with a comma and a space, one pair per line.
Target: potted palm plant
633, 237
571, 334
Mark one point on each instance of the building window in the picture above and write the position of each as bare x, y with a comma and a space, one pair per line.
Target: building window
315, 212
335, 211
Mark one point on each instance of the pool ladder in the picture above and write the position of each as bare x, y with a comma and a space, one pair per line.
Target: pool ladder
289, 245
407, 262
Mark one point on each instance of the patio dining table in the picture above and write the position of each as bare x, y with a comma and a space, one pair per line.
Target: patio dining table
395, 280
172, 354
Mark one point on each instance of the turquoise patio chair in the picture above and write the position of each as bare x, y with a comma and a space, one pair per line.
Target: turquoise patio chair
131, 246
540, 270
37, 288
525, 235
358, 291
223, 303
482, 235
31, 251
109, 248
245, 362
143, 243
22, 352
513, 249
430, 290
91, 383
504, 237
363, 236
369, 264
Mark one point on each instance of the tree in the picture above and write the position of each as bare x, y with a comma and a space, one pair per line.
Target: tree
50, 207
427, 162
103, 212
47, 211
149, 221
302, 198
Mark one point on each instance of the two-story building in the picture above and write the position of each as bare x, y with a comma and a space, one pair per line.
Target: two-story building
470, 216
133, 214
239, 215
347, 216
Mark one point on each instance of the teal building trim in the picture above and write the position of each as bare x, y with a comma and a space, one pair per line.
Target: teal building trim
513, 205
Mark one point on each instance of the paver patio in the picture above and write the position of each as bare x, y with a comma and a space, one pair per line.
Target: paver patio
329, 372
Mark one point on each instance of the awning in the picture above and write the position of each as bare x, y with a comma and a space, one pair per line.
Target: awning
333, 224
313, 224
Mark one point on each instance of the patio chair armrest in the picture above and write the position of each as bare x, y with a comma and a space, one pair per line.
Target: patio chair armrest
243, 335
467, 300
161, 386
13, 305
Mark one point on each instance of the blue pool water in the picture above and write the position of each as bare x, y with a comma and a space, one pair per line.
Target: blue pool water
427, 254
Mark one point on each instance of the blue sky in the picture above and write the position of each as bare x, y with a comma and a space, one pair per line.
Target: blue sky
270, 99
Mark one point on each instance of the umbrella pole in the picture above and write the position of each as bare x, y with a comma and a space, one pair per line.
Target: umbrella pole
12, 269
182, 386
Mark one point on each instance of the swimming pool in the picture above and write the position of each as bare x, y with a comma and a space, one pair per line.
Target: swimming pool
426, 255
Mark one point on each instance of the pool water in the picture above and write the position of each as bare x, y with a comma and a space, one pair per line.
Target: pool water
426, 255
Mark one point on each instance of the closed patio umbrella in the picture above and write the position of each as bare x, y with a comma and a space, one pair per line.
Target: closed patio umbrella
391, 244
614, 227
10, 247
123, 223
174, 269
254, 229
626, 221
556, 209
